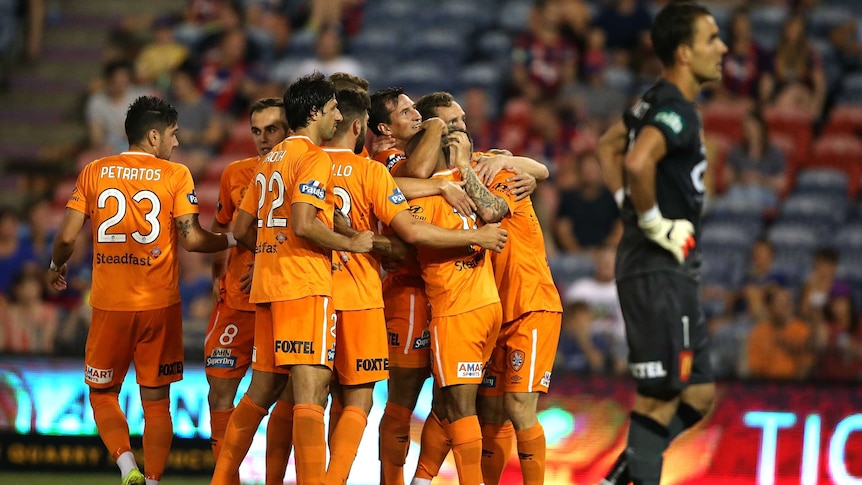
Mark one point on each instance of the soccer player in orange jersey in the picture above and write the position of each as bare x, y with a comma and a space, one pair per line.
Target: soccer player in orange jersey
367, 194
287, 217
140, 205
230, 336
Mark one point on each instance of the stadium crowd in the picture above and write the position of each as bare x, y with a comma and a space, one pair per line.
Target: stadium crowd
782, 281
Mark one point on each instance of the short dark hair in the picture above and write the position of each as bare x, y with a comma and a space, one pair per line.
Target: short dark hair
383, 102
148, 113
674, 26
344, 80
352, 103
306, 96
266, 103
428, 104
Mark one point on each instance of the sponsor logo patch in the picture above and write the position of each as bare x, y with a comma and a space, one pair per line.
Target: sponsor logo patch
391, 160
313, 188
489, 382
281, 237
470, 369
99, 376
221, 362
546, 380
397, 197
422, 342
193, 198
648, 370
670, 119
171, 369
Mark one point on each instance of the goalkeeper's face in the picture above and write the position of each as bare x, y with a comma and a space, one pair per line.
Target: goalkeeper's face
167, 142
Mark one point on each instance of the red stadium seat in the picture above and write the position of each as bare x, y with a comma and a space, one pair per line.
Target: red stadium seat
216, 165
207, 193
239, 139
844, 119
839, 151
791, 122
717, 146
724, 118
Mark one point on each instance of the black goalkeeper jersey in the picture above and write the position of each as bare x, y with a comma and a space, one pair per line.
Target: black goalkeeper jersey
678, 179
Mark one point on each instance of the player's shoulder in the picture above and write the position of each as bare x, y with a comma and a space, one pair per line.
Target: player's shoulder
390, 157
242, 164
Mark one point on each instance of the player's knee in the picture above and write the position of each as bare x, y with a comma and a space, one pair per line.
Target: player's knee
521, 408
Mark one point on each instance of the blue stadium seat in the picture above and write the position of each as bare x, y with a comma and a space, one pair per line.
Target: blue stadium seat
824, 18
723, 236
851, 89
513, 16
821, 181
823, 212
422, 77
567, 268
724, 268
793, 237
494, 44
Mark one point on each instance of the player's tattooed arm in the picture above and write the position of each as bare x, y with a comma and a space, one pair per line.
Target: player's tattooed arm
490, 207
194, 238
184, 226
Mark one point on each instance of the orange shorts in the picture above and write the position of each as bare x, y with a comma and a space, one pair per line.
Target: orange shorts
462, 344
229, 340
524, 355
295, 332
361, 352
263, 352
408, 314
153, 339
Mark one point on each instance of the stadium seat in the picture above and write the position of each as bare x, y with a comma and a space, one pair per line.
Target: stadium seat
724, 118
792, 236
822, 19
795, 123
845, 119
514, 15
725, 236
442, 46
766, 24
822, 181
793, 264
495, 45
239, 139
207, 197
717, 146
216, 165
421, 77
842, 152
567, 268
725, 269
787, 145
848, 242
823, 213
851, 89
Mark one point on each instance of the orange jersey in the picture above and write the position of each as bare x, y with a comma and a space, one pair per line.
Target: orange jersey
288, 267
366, 194
457, 280
390, 158
132, 199
233, 186
521, 269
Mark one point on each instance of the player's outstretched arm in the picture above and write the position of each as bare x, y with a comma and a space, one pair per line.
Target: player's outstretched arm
219, 264
490, 207
423, 159
64, 243
196, 239
453, 192
419, 233
245, 229
306, 225
488, 167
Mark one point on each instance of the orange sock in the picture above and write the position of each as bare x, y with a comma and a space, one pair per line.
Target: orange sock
158, 435
336, 408
218, 425
240, 431
435, 445
309, 444
279, 441
394, 442
531, 451
344, 444
497, 443
111, 422
466, 435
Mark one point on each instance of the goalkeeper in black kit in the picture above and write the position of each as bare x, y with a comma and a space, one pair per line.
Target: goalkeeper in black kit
654, 160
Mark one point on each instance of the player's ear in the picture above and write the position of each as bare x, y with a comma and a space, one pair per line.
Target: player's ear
384, 129
356, 127
153, 136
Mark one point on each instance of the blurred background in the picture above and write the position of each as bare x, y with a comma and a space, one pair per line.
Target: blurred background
782, 237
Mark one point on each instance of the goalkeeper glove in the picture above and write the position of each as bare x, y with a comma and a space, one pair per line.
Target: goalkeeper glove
674, 235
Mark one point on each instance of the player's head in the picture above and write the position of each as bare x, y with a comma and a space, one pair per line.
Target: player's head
442, 105
447, 153
353, 105
151, 124
311, 100
268, 124
685, 34
393, 114
343, 80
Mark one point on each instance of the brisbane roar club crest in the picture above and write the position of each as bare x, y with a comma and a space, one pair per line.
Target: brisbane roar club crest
517, 360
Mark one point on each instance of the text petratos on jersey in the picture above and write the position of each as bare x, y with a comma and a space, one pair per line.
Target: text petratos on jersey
130, 173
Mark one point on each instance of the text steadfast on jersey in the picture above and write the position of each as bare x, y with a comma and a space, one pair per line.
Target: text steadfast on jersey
128, 259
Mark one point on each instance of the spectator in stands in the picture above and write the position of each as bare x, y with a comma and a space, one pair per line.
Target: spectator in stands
328, 58
818, 285
484, 129
587, 215
543, 61
606, 328
203, 129
577, 351
39, 232
106, 108
17, 16
779, 347
625, 22
30, 325
839, 340
15, 255
269, 19
798, 80
158, 58
745, 62
754, 170
846, 41
749, 301
227, 79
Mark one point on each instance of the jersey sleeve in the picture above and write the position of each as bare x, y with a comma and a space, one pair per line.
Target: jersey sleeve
390, 159
78, 197
185, 199
677, 121
225, 207
312, 179
385, 195
252, 195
